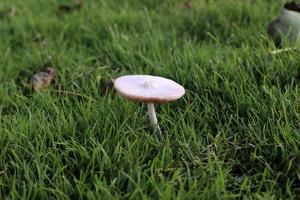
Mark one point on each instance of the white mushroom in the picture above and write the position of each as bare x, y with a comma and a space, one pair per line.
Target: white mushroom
286, 25
149, 89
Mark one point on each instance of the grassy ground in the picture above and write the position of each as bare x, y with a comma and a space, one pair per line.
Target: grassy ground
235, 134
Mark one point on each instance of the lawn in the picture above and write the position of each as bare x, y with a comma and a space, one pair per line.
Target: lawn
234, 134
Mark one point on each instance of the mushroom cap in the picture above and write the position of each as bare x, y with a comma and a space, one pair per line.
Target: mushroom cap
148, 89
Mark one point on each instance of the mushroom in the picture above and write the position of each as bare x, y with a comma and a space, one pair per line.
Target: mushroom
44, 78
286, 25
150, 90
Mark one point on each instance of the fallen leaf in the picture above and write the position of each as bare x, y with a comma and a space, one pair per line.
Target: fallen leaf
43, 78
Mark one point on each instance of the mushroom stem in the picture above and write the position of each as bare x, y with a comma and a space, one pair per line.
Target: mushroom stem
152, 117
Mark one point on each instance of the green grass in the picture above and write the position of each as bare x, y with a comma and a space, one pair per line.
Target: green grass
235, 134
